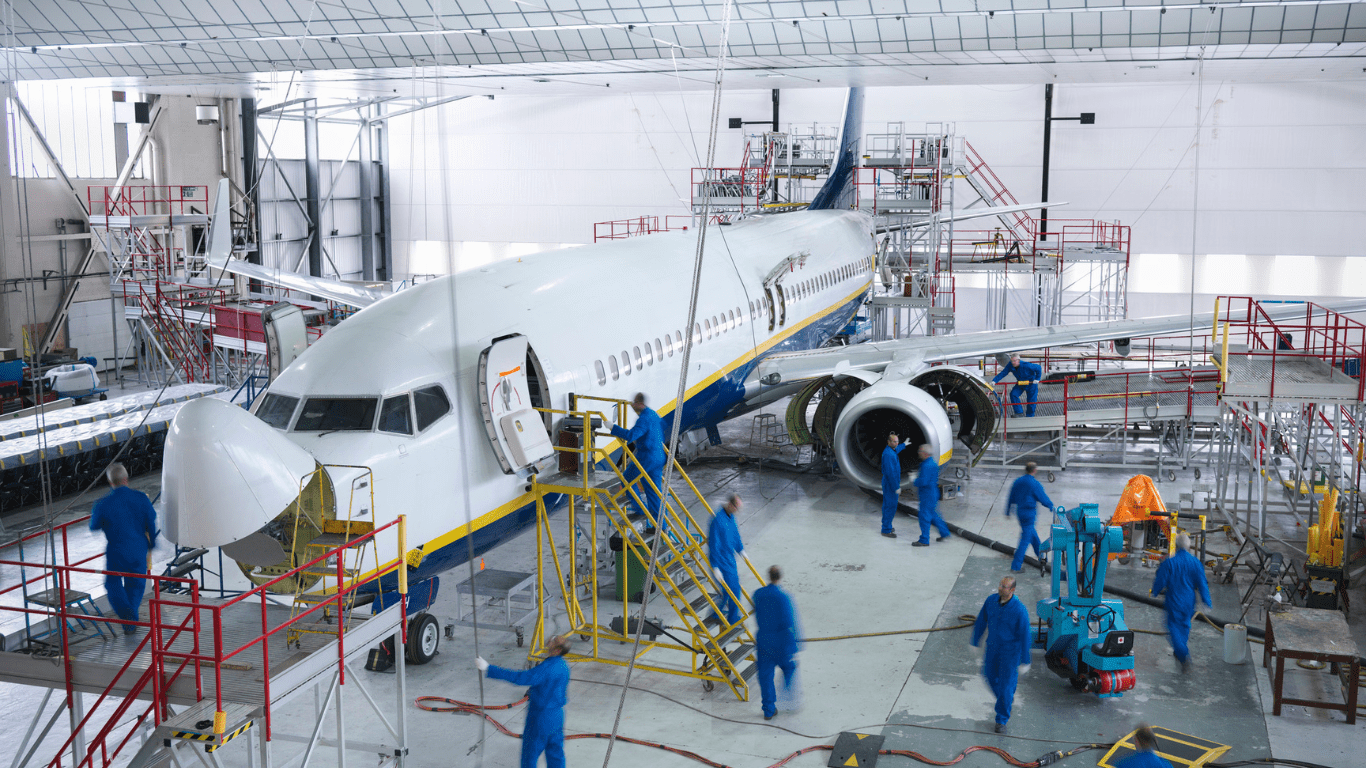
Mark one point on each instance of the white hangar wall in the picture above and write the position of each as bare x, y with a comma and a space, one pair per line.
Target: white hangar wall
1280, 171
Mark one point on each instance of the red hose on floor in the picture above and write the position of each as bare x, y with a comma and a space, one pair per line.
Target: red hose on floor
443, 704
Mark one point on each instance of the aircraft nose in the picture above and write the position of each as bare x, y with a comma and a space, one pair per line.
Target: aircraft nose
226, 473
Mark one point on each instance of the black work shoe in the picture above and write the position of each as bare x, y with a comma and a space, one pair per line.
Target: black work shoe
943, 538
890, 535
768, 717
1001, 728
920, 543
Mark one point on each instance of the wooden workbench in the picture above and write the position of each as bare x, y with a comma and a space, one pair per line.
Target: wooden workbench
1312, 635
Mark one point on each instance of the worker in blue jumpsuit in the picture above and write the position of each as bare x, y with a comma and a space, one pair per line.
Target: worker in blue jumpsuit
723, 544
129, 523
891, 482
1146, 756
776, 639
1027, 377
549, 692
1006, 622
1026, 493
927, 487
648, 436
1181, 576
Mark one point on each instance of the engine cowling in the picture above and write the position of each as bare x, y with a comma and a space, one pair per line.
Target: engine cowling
887, 406
968, 400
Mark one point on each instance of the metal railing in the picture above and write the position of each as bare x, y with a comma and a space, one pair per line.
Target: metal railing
1320, 333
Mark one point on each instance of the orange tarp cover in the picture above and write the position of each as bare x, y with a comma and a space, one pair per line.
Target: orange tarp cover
1139, 501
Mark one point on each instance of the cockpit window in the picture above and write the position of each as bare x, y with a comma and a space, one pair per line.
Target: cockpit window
395, 416
336, 414
430, 404
276, 410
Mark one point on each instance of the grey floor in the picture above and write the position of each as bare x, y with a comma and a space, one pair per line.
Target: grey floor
921, 690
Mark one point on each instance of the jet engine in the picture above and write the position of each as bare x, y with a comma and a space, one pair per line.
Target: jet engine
888, 406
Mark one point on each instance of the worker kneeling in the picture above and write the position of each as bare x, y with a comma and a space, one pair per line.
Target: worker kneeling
776, 640
1005, 620
549, 682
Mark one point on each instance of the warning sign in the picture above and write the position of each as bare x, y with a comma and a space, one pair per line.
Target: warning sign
855, 749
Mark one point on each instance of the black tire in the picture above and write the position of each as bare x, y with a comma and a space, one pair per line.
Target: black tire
959, 472
1171, 476
519, 638
1079, 683
103, 396
1051, 477
424, 638
708, 686
1197, 473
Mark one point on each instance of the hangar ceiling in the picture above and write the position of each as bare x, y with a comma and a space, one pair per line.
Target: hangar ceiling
848, 41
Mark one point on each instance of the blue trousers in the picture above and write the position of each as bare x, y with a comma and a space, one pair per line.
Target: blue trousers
647, 493
889, 499
1015, 392
1028, 537
929, 517
768, 693
723, 601
1003, 685
125, 593
1179, 633
544, 733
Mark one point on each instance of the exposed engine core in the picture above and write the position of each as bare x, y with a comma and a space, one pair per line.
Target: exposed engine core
888, 406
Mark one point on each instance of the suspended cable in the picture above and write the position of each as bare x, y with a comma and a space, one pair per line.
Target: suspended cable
681, 394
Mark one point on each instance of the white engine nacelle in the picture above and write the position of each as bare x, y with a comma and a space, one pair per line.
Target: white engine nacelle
888, 406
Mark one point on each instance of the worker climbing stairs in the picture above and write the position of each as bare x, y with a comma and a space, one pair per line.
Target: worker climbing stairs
355, 554
608, 484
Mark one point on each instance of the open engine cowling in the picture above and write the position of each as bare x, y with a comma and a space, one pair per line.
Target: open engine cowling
887, 406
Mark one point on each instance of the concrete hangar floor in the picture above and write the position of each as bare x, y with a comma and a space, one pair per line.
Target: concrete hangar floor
923, 692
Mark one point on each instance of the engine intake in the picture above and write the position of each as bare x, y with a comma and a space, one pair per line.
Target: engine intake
862, 425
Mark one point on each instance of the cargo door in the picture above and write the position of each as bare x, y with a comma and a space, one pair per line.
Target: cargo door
286, 335
517, 431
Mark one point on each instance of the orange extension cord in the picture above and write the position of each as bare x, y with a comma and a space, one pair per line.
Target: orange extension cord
443, 704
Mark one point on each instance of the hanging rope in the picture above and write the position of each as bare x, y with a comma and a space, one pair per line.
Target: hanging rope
682, 392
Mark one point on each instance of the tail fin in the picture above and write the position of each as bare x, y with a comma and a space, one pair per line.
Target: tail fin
838, 190
220, 227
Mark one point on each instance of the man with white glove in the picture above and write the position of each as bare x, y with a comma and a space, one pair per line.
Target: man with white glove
1005, 620
723, 544
549, 692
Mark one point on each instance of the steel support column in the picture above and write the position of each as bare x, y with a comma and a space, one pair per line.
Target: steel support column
384, 267
312, 195
251, 177
367, 197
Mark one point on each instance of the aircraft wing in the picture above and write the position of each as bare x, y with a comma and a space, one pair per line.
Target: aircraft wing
971, 213
877, 356
220, 257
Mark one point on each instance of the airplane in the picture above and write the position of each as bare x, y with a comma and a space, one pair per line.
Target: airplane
424, 386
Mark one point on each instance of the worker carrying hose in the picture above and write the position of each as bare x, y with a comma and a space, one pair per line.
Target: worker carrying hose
1146, 756
723, 544
775, 640
1005, 620
891, 482
648, 436
1181, 576
1027, 377
927, 488
1026, 494
129, 522
549, 692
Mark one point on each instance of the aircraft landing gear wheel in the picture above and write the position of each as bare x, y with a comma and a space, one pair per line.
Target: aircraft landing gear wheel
708, 686
1051, 477
424, 637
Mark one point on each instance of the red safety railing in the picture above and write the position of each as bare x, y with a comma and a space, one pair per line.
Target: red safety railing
183, 318
621, 229
146, 200
1105, 387
1320, 332
728, 188
168, 663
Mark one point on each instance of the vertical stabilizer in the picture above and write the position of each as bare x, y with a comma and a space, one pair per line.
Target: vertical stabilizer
838, 191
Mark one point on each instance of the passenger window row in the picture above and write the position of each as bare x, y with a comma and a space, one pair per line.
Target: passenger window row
650, 352
397, 413
828, 279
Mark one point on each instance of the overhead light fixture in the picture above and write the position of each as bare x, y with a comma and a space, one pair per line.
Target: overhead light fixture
770, 74
539, 80
1147, 66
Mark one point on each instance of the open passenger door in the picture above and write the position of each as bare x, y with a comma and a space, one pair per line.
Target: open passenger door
508, 400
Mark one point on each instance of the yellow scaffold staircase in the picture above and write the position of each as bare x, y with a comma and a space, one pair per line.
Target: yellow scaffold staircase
321, 581
592, 487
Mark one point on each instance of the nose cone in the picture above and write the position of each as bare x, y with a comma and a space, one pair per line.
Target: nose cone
226, 474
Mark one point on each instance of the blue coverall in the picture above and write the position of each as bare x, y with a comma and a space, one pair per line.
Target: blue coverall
1025, 494
891, 483
1180, 576
1030, 372
1008, 644
1143, 760
129, 523
927, 485
648, 435
549, 692
723, 541
776, 641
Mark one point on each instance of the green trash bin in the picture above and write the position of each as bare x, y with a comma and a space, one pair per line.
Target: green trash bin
631, 570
